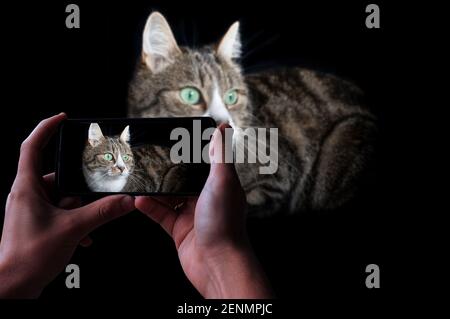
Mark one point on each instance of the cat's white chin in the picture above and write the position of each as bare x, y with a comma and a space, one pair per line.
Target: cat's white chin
107, 184
115, 183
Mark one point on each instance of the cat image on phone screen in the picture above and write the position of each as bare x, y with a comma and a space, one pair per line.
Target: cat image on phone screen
112, 164
107, 160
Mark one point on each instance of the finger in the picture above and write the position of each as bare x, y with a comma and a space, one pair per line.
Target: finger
49, 189
218, 148
30, 151
157, 211
223, 184
217, 153
49, 180
70, 202
93, 215
86, 241
171, 202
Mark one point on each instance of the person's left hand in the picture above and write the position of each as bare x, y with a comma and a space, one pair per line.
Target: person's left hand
40, 236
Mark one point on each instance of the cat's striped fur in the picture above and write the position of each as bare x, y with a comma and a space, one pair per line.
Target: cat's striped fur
155, 172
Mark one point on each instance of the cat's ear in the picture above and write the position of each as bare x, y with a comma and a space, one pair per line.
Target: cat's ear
230, 46
95, 135
159, 46
125, 135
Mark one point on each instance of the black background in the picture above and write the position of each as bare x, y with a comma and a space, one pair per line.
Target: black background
85, 72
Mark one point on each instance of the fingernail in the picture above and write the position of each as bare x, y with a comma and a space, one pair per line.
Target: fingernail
127, 202
230, 129
212, 142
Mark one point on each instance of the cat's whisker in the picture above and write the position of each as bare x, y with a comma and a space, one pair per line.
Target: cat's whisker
260, 46
139, 183
252, 38
253, 68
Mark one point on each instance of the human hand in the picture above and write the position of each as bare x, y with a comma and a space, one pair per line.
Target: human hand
39, 237
209, 232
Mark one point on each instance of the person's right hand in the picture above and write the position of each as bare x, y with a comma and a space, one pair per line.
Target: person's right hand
209, 233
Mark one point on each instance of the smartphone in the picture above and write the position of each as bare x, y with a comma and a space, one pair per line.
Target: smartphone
145, 156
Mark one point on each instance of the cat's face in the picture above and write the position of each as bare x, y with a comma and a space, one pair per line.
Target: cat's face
107, 158
174, 81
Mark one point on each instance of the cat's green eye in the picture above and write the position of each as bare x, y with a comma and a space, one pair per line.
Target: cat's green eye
190, 95
108, 156
231, 97
126, 158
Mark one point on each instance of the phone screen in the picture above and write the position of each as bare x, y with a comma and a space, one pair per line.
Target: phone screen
134, 156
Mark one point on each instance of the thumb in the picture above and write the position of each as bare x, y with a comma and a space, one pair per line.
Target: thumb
222, 175
221, 148
100, 212
221, 207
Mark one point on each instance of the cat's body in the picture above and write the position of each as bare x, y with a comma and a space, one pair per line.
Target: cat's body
325, 134
155, 172
325, 137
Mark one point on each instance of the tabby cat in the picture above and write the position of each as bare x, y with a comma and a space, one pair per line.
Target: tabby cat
107, 161
111, 164
325, 134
